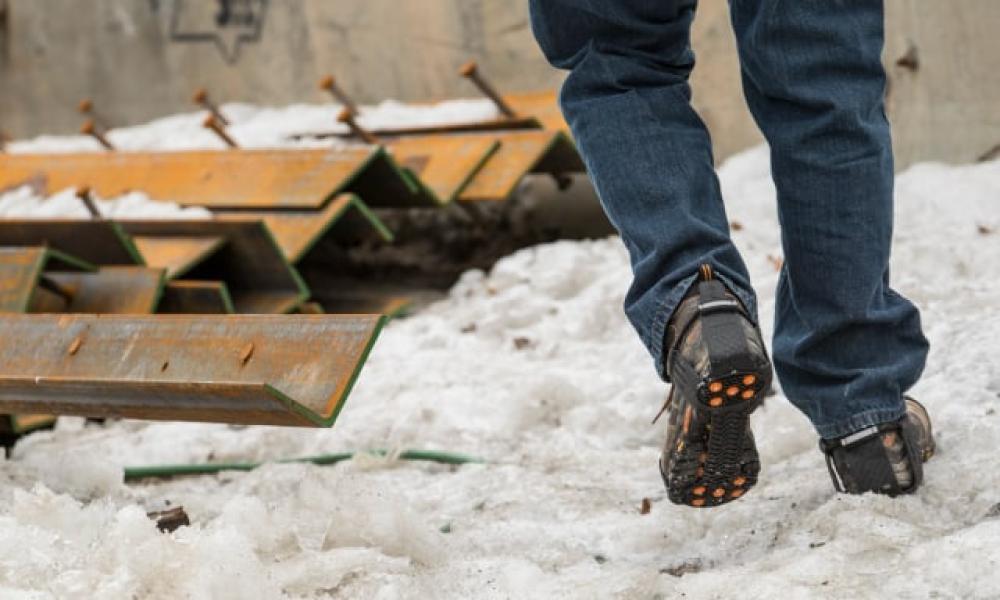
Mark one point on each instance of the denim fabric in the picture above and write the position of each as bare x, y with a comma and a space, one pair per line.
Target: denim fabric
846, 346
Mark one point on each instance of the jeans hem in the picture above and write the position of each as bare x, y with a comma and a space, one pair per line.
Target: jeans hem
669, 305
862, 420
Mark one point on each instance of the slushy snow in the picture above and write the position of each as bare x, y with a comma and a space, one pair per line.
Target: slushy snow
534, 368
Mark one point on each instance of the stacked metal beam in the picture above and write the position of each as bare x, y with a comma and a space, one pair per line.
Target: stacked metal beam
276, 215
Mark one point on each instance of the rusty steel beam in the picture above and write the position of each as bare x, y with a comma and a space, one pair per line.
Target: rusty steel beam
345, 219
229, 179
250, 262
22, 270
95, 242
444, 164
112, 290
176, 253
196, 297
394, 132
470, 71
521, 153
254, 370
542, 105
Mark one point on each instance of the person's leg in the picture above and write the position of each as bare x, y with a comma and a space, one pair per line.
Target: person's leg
846, 346
627, 101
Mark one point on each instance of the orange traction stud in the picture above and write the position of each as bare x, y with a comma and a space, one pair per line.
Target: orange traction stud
732, 391
749, 380
698, 502
715, 402
719, 492
699, 491
715, 387
736, 493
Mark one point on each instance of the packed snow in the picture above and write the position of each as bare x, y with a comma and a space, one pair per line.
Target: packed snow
533, 367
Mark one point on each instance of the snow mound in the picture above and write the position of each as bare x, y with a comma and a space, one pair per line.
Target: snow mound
533, 367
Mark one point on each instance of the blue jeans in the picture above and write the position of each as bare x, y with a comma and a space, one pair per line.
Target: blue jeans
846, 346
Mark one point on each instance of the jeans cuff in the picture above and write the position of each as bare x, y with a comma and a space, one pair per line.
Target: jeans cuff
862, 420
669, 304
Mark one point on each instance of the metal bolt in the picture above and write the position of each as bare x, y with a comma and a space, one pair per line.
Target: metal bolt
212, 123
471, 72
86, 108
329, 84
201, 98
246, 353
90, 128
83, 193
346, 116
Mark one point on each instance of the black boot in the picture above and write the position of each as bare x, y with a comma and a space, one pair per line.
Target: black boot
720, 371
885, 459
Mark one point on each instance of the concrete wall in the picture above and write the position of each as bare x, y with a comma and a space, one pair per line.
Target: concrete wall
139, 59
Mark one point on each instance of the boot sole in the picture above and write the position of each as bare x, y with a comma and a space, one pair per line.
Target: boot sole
714, 459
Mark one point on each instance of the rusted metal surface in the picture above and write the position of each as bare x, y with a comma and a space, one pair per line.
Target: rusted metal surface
345, 218
521, 153
112, 290
518, 123
542, 105
348, 302
95, 242
232, 179
444, 164
175, 253
255, 370
256, 273
20, 272
196, 297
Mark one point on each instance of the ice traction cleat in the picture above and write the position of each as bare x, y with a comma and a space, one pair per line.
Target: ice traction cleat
720, 371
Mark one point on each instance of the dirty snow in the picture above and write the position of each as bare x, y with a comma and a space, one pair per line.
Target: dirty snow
533, 367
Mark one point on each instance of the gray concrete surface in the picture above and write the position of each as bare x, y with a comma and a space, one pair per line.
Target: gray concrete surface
139, 59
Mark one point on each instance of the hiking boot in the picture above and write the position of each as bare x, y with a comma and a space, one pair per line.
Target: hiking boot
885, 459
720, 371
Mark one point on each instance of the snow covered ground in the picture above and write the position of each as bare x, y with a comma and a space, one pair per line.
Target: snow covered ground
533, 367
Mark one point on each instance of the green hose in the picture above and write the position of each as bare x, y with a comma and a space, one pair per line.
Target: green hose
148, 471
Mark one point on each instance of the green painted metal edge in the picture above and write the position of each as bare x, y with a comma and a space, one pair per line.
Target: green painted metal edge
69, 259
317, 419
379, 153
227, 299
180, 273
303, 291
478, 167
47, 255
128, 244
382, 229
354, 201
